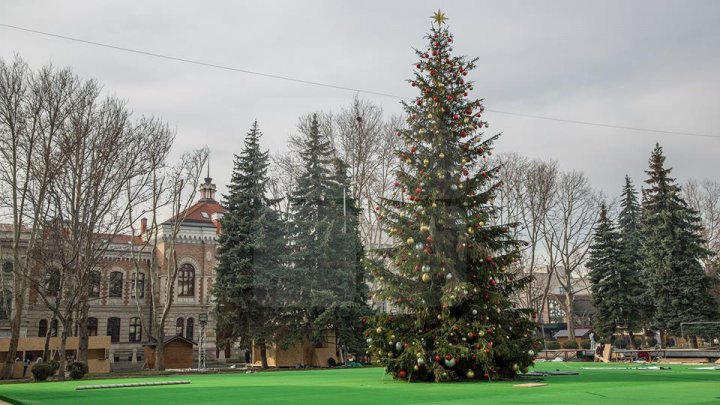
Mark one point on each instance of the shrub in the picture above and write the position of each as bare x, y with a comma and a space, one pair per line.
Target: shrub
332, 362
652, 342
553, 345
41, 371
570, 344
78, 370
620, 343
55, 365
585, 344
637, 342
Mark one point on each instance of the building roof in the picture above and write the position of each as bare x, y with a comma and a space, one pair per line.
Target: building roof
202, 213
579, 332
122, 239
169, 339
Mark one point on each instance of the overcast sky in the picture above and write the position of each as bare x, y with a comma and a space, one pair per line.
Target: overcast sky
650, 64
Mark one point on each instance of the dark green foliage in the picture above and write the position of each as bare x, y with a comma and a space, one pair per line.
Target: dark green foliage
328, 281
41, 371
77, 370
553, 345
251, 253
447, 275
636, 308
672, 250
570, 344
612, 281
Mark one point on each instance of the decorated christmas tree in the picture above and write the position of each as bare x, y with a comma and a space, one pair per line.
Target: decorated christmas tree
447, 277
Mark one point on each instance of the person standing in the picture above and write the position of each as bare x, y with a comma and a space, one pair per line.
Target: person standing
26, 363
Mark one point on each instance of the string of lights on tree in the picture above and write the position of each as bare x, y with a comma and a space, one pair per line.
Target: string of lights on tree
448, 276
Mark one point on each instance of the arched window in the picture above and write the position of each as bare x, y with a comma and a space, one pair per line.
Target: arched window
5, 304
116, 285
7, 267
138, 285
42, 328
179, 326
92, 325
52, 282
94, 284
189, 328
135, 330
186, 281
54, 328
113, 329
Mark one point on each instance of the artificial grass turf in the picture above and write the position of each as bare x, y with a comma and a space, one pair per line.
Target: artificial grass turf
596, 383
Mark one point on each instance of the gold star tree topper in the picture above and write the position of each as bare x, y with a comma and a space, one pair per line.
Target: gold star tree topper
439, 17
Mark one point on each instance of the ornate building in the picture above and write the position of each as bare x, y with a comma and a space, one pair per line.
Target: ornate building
112, 288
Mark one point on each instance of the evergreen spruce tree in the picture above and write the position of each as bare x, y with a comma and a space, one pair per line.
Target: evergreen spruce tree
250, 254
348, 252
672, 249
637, 309
325, 248
606, 273
448, 274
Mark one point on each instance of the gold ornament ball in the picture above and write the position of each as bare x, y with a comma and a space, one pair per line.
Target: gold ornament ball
470, 374
408, 161
378, 330
426, 277
410, 241
441, 155
515, 367
426, 162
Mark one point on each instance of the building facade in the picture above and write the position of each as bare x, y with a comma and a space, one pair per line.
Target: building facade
119, 301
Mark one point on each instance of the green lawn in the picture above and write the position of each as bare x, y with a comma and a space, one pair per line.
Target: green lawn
596, 383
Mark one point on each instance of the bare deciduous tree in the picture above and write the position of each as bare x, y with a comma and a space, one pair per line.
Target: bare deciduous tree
568, 234
704, 197
33, 111
526, 197
176, 188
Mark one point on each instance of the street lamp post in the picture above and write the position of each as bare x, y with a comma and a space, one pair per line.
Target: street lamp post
202, 355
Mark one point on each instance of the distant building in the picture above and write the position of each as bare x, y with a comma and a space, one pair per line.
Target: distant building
113, 310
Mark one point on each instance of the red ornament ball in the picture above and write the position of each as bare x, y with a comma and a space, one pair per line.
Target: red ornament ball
402, 374
448, 356
438, 358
